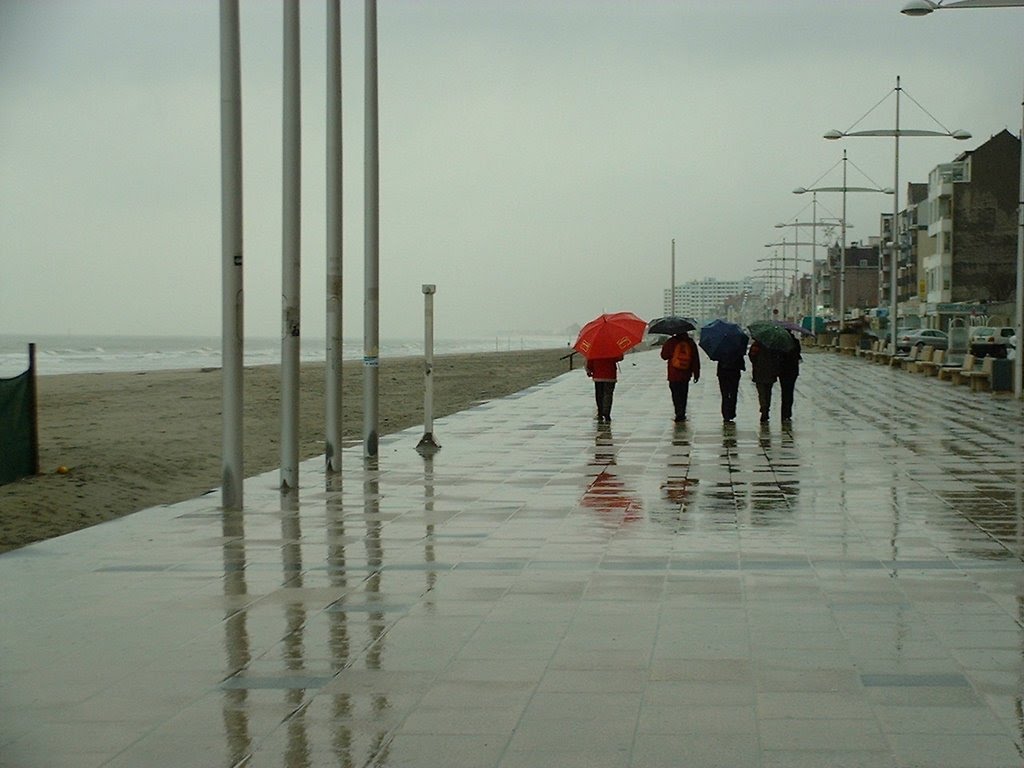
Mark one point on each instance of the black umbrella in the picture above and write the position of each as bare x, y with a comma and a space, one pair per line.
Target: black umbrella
672, 325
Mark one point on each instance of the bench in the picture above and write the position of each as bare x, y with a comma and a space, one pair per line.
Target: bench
931, 367
869, 352
924, 355
906, 361
981, 379
957, 375
885, 354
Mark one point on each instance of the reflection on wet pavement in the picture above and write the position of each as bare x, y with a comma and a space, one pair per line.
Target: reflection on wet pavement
548, 591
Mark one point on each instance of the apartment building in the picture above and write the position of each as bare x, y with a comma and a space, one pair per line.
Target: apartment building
703, 299
970, 219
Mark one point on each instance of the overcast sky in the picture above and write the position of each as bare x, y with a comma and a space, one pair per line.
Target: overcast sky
537, 158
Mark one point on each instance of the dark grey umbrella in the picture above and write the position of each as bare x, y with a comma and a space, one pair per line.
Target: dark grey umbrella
672, 325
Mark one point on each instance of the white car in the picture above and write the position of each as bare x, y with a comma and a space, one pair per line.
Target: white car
989, 341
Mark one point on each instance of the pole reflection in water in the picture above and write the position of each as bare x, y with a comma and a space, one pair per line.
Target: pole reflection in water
428, 538
236, 634
339, 638
1018, 498
295, 622
606, 494
375, 563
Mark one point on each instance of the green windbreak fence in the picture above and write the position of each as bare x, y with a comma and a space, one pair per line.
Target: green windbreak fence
18, 448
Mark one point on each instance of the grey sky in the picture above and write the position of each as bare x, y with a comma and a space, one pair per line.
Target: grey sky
537, 158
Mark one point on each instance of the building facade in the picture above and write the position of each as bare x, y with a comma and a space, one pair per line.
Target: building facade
862, 281
968, 224
704, 299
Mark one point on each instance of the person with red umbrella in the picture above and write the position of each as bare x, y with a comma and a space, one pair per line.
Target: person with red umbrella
604, 372
603, 341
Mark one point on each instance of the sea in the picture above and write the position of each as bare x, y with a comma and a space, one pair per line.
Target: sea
101, 354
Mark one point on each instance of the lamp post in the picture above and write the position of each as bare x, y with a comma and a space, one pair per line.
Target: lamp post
923, 8
843, 226
796, 261
814, 224
895, 133
672, 299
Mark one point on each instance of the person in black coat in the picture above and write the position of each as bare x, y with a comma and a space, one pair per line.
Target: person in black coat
789, 369
730, 371
766, 365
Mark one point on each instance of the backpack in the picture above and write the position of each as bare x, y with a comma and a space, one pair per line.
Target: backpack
681, 356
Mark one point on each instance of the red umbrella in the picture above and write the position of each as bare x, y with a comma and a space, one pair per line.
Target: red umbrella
610, 335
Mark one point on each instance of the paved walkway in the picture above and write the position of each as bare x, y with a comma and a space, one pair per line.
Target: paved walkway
550, 592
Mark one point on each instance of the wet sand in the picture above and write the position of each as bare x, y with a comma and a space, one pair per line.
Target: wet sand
131, 441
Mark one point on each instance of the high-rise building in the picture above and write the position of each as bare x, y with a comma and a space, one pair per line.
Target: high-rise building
704, 299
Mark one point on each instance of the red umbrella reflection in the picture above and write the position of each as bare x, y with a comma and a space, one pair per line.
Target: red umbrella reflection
608, 494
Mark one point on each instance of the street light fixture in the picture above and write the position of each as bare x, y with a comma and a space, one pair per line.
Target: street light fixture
796, 261
814, 224
896, 132
843, 227
923, 8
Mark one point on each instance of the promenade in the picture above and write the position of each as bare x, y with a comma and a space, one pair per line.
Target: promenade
550, 592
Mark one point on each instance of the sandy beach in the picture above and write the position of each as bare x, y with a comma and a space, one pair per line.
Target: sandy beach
131, 441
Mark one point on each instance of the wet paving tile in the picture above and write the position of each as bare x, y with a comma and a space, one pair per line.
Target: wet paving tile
844, 592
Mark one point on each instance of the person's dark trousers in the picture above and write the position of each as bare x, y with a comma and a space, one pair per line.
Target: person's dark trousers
787, 387
603, 393
729, 384
764, 399
680, 390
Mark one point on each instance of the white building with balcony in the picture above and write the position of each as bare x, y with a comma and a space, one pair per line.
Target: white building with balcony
704, 299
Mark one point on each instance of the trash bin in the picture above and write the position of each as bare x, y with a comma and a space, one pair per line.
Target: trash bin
1002, 375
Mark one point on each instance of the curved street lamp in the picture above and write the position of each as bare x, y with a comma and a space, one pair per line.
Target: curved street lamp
796, 262
843, 227
895, 133
814, 224
923, 8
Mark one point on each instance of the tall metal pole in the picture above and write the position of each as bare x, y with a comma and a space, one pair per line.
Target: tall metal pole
796, 268
672, 301
895, 224
842, 258
814, 262
232, 297
33, 409
335, 339
427, 443
371, 244
291, 178
1019, 321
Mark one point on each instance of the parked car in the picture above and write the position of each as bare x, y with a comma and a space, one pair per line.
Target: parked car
920, 337
989, 341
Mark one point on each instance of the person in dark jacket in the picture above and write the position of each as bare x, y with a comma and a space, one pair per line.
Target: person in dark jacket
766, 364
604, 372
730, 371
683, 358
788, 372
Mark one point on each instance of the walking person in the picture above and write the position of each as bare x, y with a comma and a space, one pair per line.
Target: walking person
604, 371
683, 359
730, 370
789, 369
766, 364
